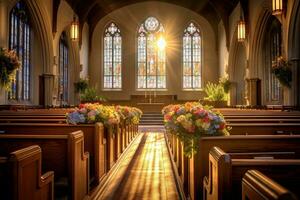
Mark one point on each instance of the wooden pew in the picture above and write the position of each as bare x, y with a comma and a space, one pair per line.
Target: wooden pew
257, 186
64, 154
21, 178
225, 173
198, 164
264, 120
95, 141
264, 128
33, 120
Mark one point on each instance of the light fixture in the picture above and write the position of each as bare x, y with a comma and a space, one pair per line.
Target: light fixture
241, 26
161, 43
241, 30
276, 7
74, 32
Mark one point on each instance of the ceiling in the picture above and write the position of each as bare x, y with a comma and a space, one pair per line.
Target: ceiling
91, 11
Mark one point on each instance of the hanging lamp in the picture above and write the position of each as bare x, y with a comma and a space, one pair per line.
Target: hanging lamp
74, 32
277, 7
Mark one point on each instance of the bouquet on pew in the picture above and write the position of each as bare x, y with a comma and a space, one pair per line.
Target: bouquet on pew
91, 113
129, 114
190, 121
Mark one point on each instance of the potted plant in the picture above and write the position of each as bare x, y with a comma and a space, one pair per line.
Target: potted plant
216, 95
9, 64
282, 71
90, 96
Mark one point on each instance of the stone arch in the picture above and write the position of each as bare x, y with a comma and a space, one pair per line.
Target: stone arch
257, 59
42, 28
65, 14
257, 44
237, 66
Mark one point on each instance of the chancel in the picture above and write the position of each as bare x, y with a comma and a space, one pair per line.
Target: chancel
138, 100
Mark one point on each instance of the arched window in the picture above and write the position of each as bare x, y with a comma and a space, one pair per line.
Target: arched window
20, 41
112, 58
63, 68
192, 62
151, 59
273, 47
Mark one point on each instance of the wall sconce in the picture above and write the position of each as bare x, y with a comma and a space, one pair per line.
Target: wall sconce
276, 7
74, 32
241, 30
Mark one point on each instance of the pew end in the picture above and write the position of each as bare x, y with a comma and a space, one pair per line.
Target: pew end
25, 165
217, 175
257, 186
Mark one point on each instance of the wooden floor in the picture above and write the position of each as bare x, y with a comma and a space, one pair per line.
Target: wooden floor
145, 172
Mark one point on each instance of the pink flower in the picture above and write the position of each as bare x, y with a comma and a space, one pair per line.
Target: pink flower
206, 120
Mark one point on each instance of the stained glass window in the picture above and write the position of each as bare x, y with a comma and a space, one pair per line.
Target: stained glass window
192, 62
112, 58
151, 60
20, 41
274, 90
63, 68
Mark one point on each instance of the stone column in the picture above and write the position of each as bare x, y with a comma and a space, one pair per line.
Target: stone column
254, 91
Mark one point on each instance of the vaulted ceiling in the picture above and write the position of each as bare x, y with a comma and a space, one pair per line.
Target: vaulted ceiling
91, 11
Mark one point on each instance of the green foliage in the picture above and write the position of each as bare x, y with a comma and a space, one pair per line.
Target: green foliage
215, 92
81, 86
90, 95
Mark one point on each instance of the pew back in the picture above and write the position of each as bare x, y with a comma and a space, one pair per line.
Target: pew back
198, 164
64, 154
94, 140
257, 186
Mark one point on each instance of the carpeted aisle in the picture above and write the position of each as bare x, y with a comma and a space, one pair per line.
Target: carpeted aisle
146, 172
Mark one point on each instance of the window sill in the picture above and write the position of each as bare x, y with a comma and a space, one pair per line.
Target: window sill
151, 90
193, 90
112, 90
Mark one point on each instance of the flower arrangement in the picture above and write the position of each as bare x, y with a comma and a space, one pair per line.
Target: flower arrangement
109, 115
91, 113
282, 71
9, 64
190, 121
129, 114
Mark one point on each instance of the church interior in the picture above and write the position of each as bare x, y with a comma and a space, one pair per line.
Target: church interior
149, 99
